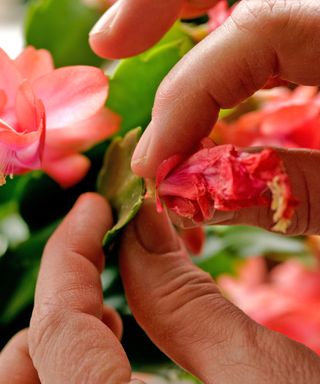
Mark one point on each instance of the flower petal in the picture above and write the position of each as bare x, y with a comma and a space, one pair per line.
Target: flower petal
10, 78
33, 63
68, 170
71, 94
222, 178
26, 109
3, 100
20, 151
83, 135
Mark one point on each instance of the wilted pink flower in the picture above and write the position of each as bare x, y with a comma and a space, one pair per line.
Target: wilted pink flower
220, 178
286, 300
48, 116
285, 118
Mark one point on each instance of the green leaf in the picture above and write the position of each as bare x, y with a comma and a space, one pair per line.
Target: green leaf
250, 241
18, 274
227, 247
124, 190
62, 27
134, 84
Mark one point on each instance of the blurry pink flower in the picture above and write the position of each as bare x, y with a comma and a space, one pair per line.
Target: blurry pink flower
48, 116
219, 14
220, 178
286, 300
285, 118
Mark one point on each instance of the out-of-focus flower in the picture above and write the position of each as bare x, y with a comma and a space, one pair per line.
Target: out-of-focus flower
219, 14
220, 178
99, 4
48, 116
287, 299
284, 118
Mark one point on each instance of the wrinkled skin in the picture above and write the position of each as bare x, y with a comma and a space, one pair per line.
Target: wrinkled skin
73, 338
183, 311
262, 38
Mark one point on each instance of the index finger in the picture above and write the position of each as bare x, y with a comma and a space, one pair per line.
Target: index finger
68, 341
261, 38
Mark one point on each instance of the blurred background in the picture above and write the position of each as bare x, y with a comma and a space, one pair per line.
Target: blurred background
11, 26
254, 268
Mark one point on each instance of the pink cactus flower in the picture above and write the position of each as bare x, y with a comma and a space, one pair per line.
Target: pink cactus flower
285, 118
48, 116
219, 14
287, 299
220, 178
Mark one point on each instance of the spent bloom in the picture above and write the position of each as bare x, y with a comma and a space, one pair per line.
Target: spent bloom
287, 299
48, 116
221, 178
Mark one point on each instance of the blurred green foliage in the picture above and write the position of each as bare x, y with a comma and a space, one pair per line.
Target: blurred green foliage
134, 83
62, 27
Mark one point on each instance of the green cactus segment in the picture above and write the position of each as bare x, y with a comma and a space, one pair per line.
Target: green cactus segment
122, 188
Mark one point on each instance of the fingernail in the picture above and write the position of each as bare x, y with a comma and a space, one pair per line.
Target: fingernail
155, 231
140, 154
136, 381
106, 22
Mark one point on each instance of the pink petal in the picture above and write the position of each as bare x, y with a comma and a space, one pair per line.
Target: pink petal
224, 179
10, 78
218, 14
26, 111
33, 63
83, 135
3, 101
20, 151
68, 170
71, 94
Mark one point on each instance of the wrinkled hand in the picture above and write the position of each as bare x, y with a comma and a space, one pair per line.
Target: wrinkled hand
72, 339
262, 38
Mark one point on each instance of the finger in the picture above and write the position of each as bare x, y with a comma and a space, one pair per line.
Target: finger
131, 26
16, 366
257, 41
112, 320
68, 342
185, 315
302, 168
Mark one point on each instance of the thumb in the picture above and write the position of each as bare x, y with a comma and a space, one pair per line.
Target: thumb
181, 309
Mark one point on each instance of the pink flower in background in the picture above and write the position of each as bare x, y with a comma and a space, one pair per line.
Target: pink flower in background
285, 118
48, 116
219, 14
220, 178
287, 299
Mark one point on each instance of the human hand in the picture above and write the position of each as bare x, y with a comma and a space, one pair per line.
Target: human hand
183, 312
131, 26
72, 338
261, 39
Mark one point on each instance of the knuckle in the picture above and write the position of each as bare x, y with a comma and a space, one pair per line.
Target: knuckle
44, 323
